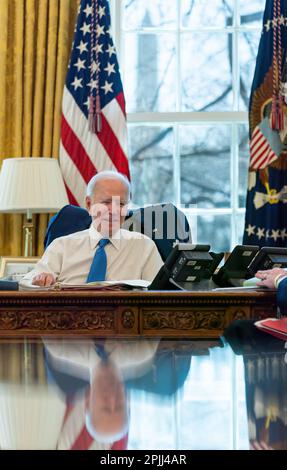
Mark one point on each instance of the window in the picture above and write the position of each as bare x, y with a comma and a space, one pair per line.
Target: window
187, 68
208, 412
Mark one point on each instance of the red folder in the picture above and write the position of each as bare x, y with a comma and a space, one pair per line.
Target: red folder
274, 326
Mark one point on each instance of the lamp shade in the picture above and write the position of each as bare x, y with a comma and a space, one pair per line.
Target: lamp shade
33, 185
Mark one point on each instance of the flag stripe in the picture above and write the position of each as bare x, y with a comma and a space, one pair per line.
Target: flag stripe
259, 445
113, 148
254, 157
83, 441
77, 152
116, 120
265, 159
71, 196
257, 136
74, 434
72, 425
261, 152
78, 122
259, 142
75, 183
121, 101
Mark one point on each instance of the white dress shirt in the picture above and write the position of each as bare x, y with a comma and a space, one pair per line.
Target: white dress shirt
79, 357
130, 255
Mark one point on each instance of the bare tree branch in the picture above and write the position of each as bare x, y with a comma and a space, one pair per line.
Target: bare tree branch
129, 4
156, 94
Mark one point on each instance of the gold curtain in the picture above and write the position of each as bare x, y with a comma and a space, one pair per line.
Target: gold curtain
35, 45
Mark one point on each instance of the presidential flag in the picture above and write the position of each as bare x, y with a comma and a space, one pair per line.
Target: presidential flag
266, 206
93, 128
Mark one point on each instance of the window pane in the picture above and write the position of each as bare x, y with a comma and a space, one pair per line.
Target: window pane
240, 220
206, 72
214, 230
150, 72
248, 49
150, 150
251, 13
150, 13
206, 425
206, 13
205, 165
243, 163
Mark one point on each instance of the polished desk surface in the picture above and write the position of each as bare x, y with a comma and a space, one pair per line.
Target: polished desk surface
179, 394
130, 313
189, 392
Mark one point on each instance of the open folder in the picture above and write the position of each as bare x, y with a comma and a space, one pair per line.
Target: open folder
274, 326
135, 284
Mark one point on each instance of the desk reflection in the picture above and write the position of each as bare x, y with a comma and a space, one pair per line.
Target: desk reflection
265, 374
142, 394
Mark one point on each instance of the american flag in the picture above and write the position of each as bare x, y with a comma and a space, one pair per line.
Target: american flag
259, 445
261, 153
93, 128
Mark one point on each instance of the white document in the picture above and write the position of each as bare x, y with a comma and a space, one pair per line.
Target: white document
243, 288
126, 284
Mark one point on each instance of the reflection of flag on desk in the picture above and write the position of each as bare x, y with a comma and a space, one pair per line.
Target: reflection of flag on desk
266, 400
259, 445
93, 130
266, 207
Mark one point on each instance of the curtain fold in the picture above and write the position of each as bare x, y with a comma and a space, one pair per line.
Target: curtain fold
35, 44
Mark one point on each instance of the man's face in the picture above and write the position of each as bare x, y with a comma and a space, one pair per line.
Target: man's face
107, 400
108, 206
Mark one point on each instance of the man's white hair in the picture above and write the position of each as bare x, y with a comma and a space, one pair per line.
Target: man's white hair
107, 175
106, 438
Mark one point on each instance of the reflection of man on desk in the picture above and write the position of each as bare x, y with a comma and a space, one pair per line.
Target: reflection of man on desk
92, 377
104, 251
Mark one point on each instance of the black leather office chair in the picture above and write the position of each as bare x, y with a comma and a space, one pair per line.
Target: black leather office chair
163, 223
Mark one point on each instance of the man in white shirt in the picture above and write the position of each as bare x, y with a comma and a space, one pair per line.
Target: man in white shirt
130, 255
105, 408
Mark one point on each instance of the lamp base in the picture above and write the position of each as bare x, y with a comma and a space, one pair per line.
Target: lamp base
28, 236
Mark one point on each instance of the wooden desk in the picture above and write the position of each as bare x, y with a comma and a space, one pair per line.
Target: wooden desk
126, 314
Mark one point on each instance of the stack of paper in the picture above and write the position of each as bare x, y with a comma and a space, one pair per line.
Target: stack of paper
137, 284
106, 285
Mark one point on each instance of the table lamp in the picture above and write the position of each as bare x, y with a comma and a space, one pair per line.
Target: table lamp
29, 186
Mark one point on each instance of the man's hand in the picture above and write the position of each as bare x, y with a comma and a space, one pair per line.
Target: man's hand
269, 276
43, 280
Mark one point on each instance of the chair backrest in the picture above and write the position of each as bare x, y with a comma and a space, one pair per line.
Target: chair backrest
69, 219
167, 375
163, 223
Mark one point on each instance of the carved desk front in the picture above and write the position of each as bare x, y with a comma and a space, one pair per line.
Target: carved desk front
129, 314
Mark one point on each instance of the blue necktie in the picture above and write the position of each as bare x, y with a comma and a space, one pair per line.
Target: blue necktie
102, 353
99, 264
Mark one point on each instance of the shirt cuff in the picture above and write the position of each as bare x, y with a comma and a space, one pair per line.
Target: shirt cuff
278, 279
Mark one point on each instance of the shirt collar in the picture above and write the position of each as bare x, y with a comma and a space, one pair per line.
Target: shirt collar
95, 237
